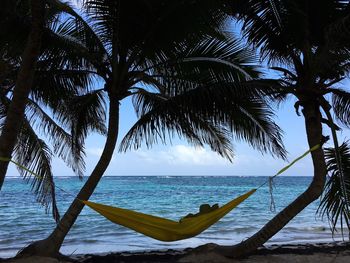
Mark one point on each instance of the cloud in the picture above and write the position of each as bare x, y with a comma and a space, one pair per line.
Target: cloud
182, 159
183, 155
94, 151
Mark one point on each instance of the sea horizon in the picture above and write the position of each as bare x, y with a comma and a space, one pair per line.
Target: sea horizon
181, 175
24, 221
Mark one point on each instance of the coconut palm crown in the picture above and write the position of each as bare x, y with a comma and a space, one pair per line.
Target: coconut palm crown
308, 44
56, 102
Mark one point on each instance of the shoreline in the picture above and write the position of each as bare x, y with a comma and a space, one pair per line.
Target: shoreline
338, 252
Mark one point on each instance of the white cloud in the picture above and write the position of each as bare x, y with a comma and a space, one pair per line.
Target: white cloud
94, 151
183, 155
182, 159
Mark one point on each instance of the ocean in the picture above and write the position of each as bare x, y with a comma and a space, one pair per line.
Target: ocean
23, 220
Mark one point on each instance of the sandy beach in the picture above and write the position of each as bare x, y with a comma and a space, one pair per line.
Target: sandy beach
336, 252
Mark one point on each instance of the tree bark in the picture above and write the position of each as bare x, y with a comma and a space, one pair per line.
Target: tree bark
313, 126
23, 86
51, 245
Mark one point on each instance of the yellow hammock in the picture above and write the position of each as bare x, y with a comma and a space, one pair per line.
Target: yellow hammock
164, 229
168, 230
161, 228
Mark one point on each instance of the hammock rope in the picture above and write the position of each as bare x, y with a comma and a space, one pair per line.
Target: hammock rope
3, 159
168, 230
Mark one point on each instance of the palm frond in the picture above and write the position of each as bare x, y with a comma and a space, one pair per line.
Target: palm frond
338, 30
206, 63
79, 27
76, 42
60, 139
247, 116
217, 94
63, 50
33, 153
157, 23
81, 115
341, 106
333, 200
227, 58
281, 29
51, 86
168, 119
252, 122
263, 24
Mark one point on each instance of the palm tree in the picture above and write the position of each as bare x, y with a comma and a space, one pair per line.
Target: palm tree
56, 102
306, 42
24, 81
334, 202
186, 78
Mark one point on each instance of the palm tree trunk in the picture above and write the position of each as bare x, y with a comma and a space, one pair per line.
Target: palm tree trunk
51, 245
23, 85
314, 135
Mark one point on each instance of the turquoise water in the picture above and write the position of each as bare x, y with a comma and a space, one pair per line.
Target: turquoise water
22, 220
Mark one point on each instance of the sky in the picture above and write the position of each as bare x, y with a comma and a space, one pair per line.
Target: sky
178, 158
